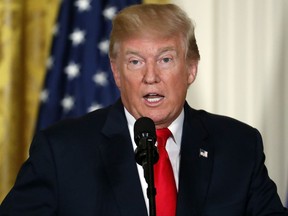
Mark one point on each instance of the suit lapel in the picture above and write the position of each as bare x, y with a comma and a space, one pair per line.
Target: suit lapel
120, 163
195, 169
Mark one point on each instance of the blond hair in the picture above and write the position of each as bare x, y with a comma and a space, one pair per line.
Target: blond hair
159, 20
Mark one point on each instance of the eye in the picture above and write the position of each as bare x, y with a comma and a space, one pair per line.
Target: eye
166, 62
135, 63
166, 59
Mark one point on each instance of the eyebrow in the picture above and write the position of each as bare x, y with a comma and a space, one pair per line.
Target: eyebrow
128, 52
159, 52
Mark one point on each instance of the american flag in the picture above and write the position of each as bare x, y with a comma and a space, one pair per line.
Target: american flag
79, 78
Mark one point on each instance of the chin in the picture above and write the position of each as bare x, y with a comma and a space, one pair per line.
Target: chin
158, 119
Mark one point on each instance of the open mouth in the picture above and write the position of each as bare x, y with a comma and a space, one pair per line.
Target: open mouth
153, 97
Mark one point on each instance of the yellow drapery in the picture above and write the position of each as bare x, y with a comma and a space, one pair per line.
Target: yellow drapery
25, 37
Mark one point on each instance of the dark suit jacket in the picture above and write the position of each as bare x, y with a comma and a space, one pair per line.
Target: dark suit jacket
86, 167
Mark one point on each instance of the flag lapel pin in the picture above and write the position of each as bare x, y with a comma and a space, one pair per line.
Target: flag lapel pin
203, 153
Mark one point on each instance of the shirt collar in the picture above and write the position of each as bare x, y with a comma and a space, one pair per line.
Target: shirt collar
176, 128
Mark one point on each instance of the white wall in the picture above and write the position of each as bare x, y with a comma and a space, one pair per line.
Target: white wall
243, 71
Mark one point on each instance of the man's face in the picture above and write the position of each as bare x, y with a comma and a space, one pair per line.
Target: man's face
153, 77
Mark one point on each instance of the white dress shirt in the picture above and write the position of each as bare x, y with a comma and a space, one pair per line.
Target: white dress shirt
172, 146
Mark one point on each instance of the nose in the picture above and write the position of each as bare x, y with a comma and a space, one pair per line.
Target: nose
151, 74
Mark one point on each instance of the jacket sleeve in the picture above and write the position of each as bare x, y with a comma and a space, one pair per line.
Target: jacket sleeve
35, 189
263, 198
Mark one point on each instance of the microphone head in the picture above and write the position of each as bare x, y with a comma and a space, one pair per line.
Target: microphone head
144, 127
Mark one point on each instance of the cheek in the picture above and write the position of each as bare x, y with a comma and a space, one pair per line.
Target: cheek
178, 87
129, 83
123, 79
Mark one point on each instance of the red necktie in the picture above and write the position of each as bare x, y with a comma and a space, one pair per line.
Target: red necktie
166, 192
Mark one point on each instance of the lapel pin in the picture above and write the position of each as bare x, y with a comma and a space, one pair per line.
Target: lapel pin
203, 153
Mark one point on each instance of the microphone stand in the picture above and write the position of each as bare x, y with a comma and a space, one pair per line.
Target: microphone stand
149, 176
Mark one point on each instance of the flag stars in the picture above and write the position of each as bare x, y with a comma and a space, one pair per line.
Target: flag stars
72, 70
83, 5
49, 62
68, 77
94, 106
100, 78
55, 29
109, 12
67, 103
77, 37
104, 46
44, 95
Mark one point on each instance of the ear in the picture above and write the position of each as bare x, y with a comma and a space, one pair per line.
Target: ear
192, 71
116, 72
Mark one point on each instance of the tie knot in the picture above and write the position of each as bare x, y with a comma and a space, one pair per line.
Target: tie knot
162, 135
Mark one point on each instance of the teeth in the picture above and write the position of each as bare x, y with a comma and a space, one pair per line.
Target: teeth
153, 100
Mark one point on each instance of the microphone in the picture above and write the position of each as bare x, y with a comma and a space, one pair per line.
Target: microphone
145, 135
146, 155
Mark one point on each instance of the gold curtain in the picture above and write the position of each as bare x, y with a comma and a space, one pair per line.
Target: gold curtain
25, 37
25, 33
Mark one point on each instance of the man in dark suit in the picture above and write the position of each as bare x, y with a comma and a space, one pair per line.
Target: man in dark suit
86, 166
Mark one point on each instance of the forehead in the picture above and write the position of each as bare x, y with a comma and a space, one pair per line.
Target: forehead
150, 45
